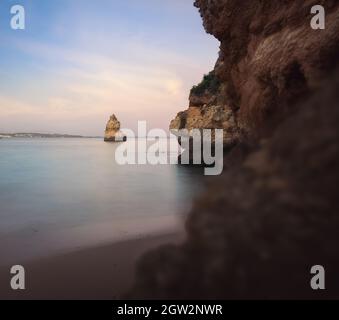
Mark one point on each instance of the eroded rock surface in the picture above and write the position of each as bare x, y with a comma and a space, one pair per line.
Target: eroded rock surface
113, 133
260, 227
270, 58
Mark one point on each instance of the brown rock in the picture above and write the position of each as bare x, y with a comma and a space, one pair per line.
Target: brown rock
260, 227
113, 133
208, 117
270, 58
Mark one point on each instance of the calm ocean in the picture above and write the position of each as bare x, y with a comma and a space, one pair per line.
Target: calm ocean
64, 194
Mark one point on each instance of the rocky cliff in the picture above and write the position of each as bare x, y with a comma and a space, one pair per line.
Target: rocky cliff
260, 227
113, 133
270, 58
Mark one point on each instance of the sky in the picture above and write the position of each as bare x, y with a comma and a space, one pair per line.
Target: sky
79, 61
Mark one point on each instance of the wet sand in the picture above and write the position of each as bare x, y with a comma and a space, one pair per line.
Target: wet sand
103, 272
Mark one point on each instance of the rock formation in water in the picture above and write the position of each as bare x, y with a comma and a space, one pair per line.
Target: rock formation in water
113, 133
273, 214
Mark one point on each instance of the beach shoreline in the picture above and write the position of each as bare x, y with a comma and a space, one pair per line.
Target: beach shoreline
103, 272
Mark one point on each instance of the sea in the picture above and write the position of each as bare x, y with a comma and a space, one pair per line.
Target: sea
64, 194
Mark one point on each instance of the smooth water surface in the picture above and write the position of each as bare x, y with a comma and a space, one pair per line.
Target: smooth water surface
62, 194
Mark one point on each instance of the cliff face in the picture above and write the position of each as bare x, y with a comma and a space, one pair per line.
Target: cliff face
273, 214
261, 226
270, 58
113, 133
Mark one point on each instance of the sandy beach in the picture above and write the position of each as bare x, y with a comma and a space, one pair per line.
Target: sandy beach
102, 272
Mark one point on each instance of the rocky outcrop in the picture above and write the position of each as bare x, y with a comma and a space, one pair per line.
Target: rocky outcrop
273, 214
205, 112
113, 133
208, 117
258, 230
270, 58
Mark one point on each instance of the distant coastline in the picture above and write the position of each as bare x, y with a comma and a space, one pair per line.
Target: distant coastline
44, 135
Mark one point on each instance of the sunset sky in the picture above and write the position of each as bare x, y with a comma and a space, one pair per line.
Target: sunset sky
78, 61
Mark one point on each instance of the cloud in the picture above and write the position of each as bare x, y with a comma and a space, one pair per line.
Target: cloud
95, 80
13, 106
89, 75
